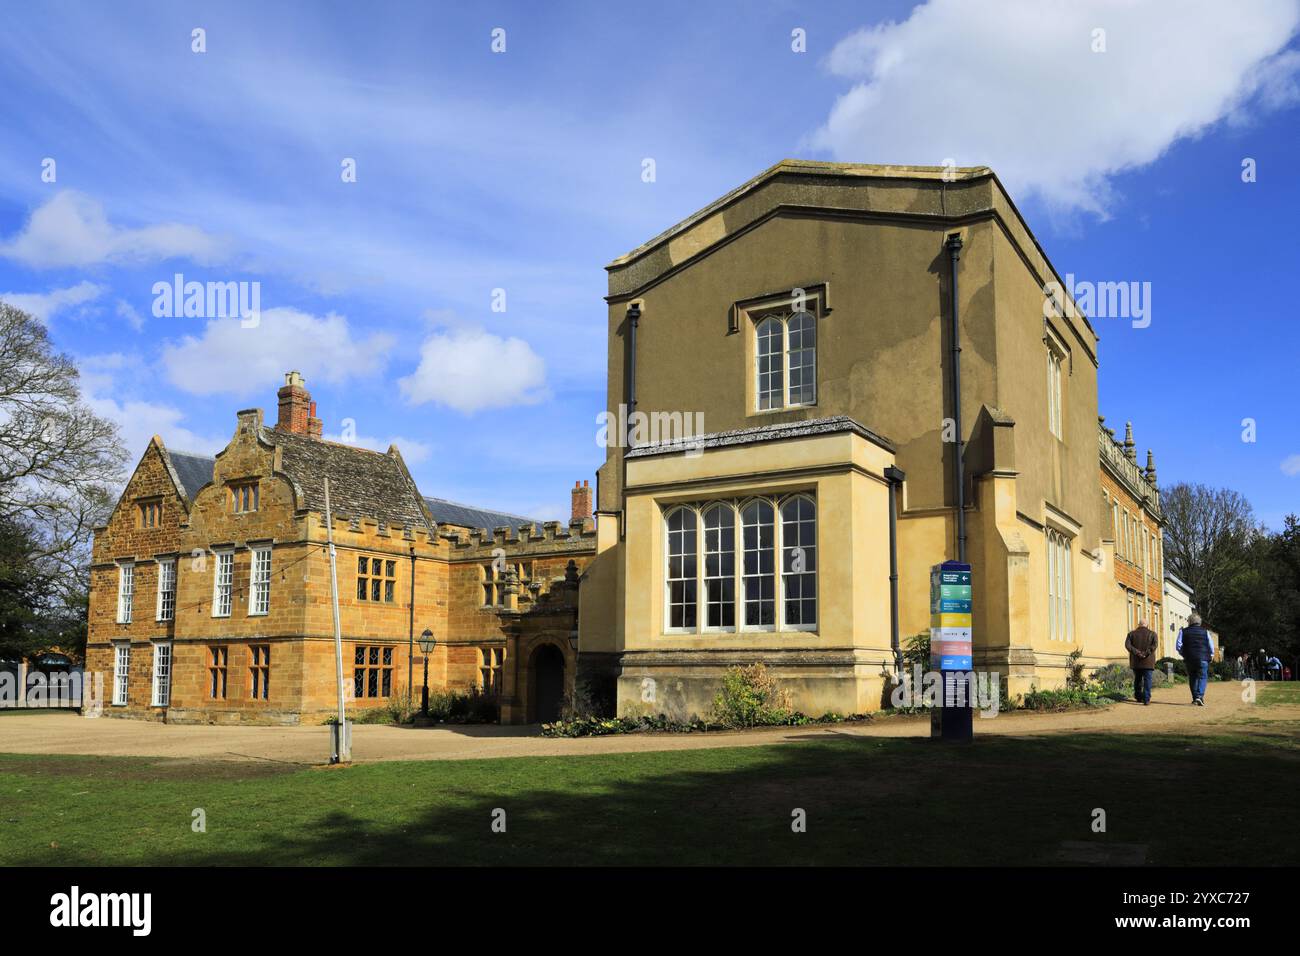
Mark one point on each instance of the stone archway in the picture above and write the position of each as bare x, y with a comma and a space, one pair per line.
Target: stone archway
545, 684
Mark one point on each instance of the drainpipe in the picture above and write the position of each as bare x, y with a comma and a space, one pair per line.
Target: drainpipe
410, 637
629, 403
953, 245
633, 320
895, 478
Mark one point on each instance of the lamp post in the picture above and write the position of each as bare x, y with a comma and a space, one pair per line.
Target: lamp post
427, 644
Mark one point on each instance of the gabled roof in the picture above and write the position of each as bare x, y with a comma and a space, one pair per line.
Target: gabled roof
363, 483
467, 516
193, 470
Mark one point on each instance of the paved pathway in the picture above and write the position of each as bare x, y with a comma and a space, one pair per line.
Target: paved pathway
1170, 710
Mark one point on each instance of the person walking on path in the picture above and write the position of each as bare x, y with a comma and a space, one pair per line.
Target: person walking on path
1197, 648
1141, 645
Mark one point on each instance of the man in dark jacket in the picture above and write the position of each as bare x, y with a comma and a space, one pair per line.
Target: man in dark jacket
1197, 648
1141, 646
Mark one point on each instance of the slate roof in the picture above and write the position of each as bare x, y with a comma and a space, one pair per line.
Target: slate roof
467, 516
193, 470
760, 433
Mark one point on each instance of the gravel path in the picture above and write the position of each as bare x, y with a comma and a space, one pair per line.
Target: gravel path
1170, 710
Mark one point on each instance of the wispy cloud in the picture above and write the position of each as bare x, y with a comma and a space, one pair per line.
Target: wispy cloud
43, 306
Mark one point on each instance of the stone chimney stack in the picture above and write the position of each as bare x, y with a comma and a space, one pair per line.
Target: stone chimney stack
581, 501
297, 410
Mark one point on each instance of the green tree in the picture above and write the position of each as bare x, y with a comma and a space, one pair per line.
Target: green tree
59, 465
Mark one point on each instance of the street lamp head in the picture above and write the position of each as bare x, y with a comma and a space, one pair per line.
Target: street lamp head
427, 641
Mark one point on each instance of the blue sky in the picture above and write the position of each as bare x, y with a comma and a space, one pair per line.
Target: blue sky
522, 171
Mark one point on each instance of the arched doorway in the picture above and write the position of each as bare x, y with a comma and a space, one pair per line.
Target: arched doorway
546, 684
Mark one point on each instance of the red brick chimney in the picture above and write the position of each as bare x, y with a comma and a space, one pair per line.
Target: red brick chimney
581, 501
297, 410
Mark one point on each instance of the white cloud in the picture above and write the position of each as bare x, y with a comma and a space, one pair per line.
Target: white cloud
127, 312
1291, 465
231, 359
1016, 86
470, 369
43, 305
115, 373
73, 230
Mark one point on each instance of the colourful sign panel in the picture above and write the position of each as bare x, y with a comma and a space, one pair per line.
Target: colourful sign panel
950, 617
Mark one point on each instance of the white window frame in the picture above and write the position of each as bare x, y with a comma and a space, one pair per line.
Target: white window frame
125, 591
1055, 405
166, 608
783, 574
669, 581
162, 674
702, 590
1060, 586
223, 591
735, 507
742, 577
783, 355
121, 672
259, 591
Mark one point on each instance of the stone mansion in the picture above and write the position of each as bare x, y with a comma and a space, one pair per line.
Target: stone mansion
817, 318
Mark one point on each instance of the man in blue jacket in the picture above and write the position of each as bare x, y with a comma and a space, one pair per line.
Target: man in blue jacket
1197, 648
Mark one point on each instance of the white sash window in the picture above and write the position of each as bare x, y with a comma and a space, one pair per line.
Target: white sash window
261, 598
162, 674
121, 673
125, 592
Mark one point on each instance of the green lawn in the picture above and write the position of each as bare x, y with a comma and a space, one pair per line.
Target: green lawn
1279, 693
868, 800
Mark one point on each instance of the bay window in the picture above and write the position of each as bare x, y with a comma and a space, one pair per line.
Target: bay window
709, 588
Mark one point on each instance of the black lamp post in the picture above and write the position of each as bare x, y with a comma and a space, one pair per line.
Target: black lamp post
427, 644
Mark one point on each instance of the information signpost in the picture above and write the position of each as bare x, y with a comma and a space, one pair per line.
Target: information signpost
950, 649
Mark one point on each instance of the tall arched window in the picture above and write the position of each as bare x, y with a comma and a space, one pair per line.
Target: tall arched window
799, 562
720, 567
1060, 587
757, 523
785, 345
681, 569
770, 350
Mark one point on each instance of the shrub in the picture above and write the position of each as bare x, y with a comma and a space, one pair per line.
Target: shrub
916, 649
1114, 678
1074, 679
471, 706
1065, 699
588, 726
750, 697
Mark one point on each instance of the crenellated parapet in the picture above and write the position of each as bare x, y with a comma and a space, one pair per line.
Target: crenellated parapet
1120, 459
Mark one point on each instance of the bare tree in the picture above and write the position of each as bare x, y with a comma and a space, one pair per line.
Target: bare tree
59, 461
1208, 532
